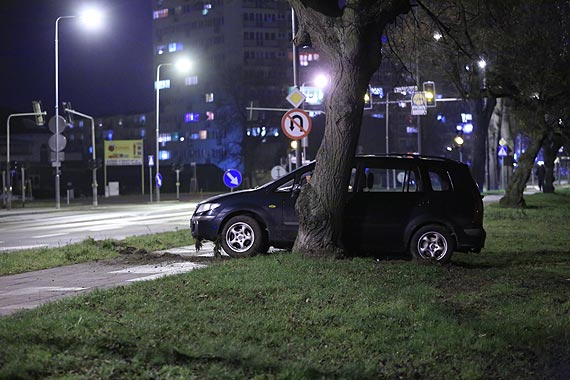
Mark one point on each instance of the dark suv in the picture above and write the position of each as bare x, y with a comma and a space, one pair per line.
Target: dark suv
428, 206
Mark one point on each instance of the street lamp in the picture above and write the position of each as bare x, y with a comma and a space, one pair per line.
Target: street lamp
458, 140
182, 65
92, 18
8, 174
93, 155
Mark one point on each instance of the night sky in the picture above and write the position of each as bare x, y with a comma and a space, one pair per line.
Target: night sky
102, 73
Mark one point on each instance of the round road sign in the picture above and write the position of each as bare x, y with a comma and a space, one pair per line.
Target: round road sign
296, 124
62, 124
57, 142
232, 178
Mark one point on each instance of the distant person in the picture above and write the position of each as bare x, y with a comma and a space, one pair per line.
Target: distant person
540, 171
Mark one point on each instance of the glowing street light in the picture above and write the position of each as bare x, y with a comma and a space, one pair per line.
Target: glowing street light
482, 63
182, 65
458, 140
88, 17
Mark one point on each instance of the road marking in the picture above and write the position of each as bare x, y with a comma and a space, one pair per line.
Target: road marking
159, 271
21, 247
50, 235
39, 289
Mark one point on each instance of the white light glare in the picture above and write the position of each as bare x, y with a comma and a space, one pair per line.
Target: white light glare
183, 65
92, 17
437, 36
482, 63
321, 80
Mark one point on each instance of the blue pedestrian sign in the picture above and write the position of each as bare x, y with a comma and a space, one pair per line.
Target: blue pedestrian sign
232, 178
502, 151
158, 179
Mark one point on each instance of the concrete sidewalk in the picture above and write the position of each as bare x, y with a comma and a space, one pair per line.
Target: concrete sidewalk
29, 290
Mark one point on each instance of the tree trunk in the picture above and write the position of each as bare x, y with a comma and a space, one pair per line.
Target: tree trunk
492, 144
550, 150
481, 111
349, 40
515, 189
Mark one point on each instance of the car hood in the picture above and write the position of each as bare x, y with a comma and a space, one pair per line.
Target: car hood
233, 195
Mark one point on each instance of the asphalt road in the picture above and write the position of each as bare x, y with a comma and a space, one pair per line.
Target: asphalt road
51, 227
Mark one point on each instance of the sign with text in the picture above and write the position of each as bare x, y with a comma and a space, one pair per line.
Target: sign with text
123, 152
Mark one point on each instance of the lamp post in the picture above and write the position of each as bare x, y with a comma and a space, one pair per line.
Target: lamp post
93, 154
92, 17
57, 162
458, 140
8, 176
182, 65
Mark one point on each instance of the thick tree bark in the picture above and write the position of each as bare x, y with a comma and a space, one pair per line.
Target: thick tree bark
349, 39
492, 144
481, 110
515, 189
550, 150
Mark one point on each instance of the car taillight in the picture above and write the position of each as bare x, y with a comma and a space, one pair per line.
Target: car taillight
477, 209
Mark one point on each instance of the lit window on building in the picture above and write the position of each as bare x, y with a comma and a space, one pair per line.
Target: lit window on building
209, 115
191, 81
80, 123
192, 117
142, 119
162, 84
194, 136
305, 58
109, 135
209, 97
164, 137
161, 13
203, 134
164, 155
206, 9
175, 46
159, 49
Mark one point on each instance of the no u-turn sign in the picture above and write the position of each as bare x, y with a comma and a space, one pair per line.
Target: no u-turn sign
296, 124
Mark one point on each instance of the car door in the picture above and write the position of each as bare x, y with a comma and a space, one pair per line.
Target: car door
388, 195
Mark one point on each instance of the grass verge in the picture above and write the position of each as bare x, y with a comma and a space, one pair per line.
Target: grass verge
503, 314
89, 250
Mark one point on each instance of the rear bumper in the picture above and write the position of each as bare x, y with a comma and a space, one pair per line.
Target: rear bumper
472, 240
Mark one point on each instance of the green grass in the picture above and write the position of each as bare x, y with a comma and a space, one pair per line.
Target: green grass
89, 250
502, 314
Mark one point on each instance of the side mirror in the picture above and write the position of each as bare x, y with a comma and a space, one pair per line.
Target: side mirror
296, 190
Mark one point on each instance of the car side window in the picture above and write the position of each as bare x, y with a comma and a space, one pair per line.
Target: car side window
287, 186
439, 180
388, 180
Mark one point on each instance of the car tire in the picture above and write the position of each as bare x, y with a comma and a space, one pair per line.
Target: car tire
432, 243
242, 236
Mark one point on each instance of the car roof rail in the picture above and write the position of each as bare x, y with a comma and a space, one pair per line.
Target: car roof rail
410, 155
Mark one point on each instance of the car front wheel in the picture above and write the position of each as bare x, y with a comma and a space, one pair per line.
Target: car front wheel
432, 243
242, 236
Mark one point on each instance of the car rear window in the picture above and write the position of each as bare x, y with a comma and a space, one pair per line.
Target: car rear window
439, 180
389, 180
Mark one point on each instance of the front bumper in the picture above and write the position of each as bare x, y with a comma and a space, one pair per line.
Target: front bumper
204, 227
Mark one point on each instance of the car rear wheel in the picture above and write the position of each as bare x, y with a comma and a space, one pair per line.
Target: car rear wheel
432, 243
242, 236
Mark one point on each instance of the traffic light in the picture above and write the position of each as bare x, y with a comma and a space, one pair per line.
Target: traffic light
37, 107
429, 90
368, 99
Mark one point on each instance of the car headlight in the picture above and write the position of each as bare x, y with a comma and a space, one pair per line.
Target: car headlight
206, 207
